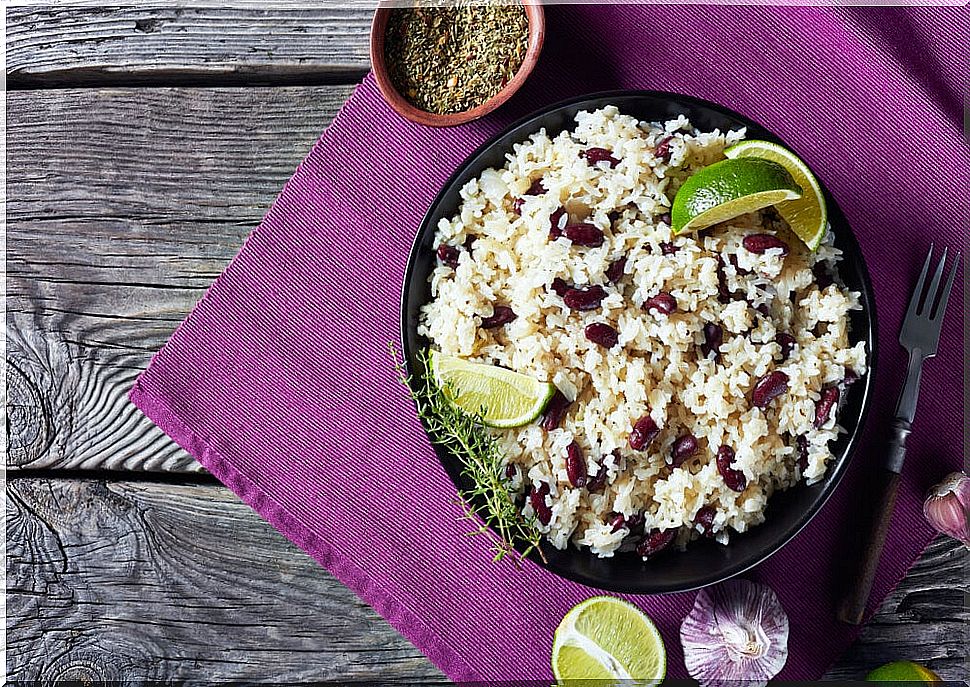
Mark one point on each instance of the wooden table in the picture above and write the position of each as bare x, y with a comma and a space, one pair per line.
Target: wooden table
143, 145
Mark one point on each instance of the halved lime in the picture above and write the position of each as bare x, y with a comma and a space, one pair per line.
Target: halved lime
807, 216
728, 189
903, 671
605, 638
503, 397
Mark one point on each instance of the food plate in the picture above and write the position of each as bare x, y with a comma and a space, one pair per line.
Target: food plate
704, 562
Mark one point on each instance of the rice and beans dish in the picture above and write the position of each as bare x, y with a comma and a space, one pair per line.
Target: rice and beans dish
695, 374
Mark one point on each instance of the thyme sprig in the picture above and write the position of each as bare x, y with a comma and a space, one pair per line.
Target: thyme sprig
487, 502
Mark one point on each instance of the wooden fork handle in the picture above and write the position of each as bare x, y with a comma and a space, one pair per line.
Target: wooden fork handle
853, 605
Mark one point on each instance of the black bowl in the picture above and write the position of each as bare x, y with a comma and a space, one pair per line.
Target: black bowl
704, 562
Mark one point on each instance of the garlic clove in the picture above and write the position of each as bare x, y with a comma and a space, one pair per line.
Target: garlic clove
947, 507
737, 631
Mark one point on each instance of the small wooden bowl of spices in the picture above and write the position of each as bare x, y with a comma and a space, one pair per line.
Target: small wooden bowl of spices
444, 66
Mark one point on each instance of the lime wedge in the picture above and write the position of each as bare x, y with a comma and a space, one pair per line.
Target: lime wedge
504, 398
807, 216
728, 189
903, 671
605, 638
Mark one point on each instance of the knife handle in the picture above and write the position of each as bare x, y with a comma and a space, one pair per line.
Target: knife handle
853, 605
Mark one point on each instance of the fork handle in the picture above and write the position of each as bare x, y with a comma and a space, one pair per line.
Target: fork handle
853, 605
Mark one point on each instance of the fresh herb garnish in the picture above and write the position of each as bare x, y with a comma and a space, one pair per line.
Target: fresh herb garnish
487, 502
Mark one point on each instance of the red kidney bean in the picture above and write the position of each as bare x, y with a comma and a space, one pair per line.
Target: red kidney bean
560, 286
448, 255
668, 247
760, 243
801, 452
723, 292
663, 303
705, 518
602, 334
501, 314
713, 338
663, 148
733, 478
763, 308
517, 206
850, 377
587, 298
557, 222
616, 520
635, 522
655, 542
666, 218
594, 155
584, 235
597, 480
536, 188
823, 408
511, 470
614, 272
555, 411
537, 497
644, 432
769, 387
823, 278
684, 447
576, 465
787, 343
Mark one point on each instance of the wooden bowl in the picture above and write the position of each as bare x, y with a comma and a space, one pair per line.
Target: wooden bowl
537, 33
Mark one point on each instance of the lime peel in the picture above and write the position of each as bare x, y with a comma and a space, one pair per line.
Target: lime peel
607, 638
501, 397
903, 671
807, 216
728, 189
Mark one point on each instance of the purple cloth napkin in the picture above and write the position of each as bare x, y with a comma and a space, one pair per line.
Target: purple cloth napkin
280, 381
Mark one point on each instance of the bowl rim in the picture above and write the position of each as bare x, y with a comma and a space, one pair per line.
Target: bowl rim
535, 14
835, 472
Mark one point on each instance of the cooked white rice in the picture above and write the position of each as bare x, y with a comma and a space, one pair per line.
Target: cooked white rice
657, 367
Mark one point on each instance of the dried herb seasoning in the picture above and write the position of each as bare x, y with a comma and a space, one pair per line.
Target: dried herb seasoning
450, 59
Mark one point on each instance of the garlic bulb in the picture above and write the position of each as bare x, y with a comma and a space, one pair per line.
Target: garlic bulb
737, 631
947, 507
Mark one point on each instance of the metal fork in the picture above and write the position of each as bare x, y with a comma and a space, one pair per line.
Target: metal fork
920, 336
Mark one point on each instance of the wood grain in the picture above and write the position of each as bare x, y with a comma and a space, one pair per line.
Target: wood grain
71, 46
123, 205
112, 236
134, 580
124, 581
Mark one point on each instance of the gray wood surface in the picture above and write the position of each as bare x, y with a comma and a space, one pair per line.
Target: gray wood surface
140, 581
322, 43
134, 581
113, 235
123, 204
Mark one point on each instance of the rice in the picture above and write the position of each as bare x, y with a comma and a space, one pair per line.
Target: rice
657, 366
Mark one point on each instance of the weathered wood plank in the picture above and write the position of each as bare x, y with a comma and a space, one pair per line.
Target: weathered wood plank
113, 235
144, 581
925, 619
133, 582
70, 46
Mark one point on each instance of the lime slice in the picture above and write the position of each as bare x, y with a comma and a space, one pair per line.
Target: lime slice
504, 398
807, 216
728, 189
903, 671
605, 638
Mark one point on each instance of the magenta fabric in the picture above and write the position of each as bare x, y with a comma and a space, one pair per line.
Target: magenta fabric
280, 381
